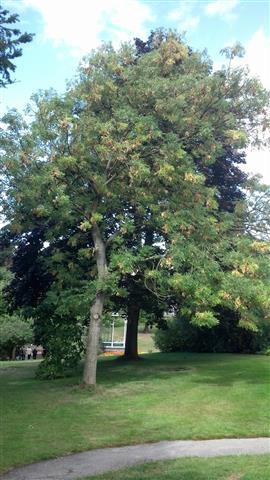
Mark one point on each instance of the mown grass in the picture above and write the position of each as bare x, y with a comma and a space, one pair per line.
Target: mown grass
146, 343
163, 397
244, 467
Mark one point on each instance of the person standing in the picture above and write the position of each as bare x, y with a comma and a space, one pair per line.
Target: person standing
28, 353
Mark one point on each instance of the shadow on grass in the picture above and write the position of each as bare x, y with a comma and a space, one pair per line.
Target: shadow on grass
208, 369
212, 369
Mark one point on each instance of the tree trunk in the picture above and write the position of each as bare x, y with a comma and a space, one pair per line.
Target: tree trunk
146, 328
133, 315
13, 353
92, 346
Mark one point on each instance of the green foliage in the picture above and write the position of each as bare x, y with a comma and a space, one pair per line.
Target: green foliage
64, 348
5, 278
206, 318
216, 269
15, 332
60, 321
227, 337
11, 40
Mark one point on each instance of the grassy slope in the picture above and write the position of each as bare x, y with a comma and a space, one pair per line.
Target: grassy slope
146, 343
165, 396
221, 468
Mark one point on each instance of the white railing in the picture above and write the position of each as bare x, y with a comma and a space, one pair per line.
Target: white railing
113, 344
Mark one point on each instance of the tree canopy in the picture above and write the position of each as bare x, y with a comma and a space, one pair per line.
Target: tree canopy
123, 157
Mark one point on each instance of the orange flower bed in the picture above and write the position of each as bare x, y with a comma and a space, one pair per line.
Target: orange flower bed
115, 352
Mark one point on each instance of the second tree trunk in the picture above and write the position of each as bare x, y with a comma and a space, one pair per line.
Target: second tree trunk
133, 315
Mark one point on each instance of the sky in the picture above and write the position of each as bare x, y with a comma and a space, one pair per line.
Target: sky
65, 31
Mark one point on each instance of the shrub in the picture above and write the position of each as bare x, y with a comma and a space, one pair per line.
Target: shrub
64, 347
226, 337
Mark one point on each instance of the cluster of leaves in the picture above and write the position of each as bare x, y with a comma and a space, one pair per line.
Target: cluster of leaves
220, 269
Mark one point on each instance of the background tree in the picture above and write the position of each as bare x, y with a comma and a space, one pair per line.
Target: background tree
15, 331
11, 40
254, 214
5, 278
223, 174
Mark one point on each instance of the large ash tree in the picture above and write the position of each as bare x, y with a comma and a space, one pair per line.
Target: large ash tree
120, 150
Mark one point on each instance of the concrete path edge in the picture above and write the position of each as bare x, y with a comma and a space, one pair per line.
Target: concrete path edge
94, 462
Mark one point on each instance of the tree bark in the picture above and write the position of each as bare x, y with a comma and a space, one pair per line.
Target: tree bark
133, 315
92, 345
13, 353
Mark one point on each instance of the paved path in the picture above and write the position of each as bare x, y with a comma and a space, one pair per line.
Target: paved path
102, 460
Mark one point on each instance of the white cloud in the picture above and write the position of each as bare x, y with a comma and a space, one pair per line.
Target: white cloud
258, 161
222, 8
257, 53
184, 17
189, 23
82, 26
180, 11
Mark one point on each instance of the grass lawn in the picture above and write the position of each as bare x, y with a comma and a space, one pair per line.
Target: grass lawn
163, 397
244, 467
146, 343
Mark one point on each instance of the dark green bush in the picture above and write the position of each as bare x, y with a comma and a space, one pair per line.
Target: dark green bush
64, 347
226, 337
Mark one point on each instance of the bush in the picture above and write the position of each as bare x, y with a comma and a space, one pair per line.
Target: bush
226, 337
64, 347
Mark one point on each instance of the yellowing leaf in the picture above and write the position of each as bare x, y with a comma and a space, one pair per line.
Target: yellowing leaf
84, 226
237, 302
